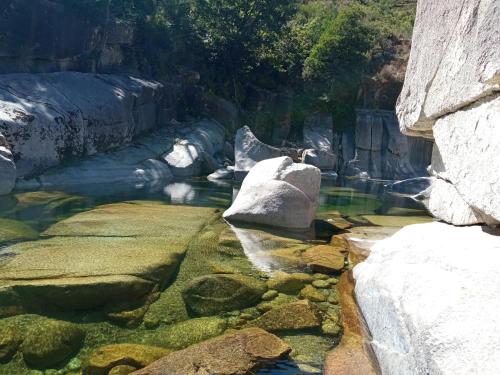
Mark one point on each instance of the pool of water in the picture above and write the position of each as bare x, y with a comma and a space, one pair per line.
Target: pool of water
57, 228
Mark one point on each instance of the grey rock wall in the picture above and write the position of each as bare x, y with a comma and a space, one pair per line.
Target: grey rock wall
51, 118
7, 167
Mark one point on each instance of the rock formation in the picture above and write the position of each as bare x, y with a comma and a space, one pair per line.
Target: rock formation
278, 192
381, 151
430, 305
451, 95
7, 167
50, 118
319, 140
248, 151
429, 294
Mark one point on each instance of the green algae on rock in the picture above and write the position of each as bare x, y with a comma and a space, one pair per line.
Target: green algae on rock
10, 339
312, 294
288, 283
290, 316
211, 294
397, 221
103, 360
118, 252
15, 231
241, 352
192, 331
51, 342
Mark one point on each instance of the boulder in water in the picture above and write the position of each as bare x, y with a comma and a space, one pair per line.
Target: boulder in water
278, 192
241, 352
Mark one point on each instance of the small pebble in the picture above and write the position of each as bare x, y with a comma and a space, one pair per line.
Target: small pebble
151, 323
329, 328
333, 280
74, 365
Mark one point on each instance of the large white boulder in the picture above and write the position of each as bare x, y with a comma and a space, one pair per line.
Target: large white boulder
430, 298
248, 151
452, 94
278, 192
454, 61
7, 168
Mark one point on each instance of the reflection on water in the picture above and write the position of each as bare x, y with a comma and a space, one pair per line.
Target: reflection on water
218, 248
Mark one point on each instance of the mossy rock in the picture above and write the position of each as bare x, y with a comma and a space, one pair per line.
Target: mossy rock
291, 316
289, 283
10, 340
212, 294
15, 231
189, 332
103, 360
312, 294
51, 342
122, 370
279, 300
112, 254
308, 348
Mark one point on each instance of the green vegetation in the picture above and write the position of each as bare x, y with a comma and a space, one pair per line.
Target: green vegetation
320, 50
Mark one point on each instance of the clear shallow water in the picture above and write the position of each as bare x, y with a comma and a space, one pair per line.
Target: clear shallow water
354, 200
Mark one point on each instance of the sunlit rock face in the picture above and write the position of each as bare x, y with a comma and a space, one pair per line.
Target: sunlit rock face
51, 118
451, 94
430, 304
248, 151
278, 192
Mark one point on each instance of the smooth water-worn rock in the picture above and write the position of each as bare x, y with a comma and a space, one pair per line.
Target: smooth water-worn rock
50, 118
15, 231
189, 332
429, 295
115, 253
466, 155
212, 294
453, 63
243, 352
193, 154
7, 167
248, 151
324, 258
137, 164
51, 342
451, 95
278, 192
106, 358
289, 316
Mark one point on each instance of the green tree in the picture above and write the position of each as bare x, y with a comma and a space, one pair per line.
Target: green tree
236, 34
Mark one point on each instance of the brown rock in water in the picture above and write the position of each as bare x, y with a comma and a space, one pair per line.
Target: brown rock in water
242, 352
324, 258
295, 315
110, 357
352, 356
289, 283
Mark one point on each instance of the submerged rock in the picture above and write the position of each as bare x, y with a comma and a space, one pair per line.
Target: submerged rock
289, 283
114, 253
290, 316
192, 331
242, 352
279, 193
51, 342
15, 231
249, 151
211, 294
10, 339
113, 358
429, 295
325, 258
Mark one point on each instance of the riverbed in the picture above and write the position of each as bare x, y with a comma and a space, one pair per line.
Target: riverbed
120, 264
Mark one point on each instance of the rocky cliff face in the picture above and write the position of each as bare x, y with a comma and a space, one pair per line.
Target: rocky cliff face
50, 118
452, 95
54, 35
